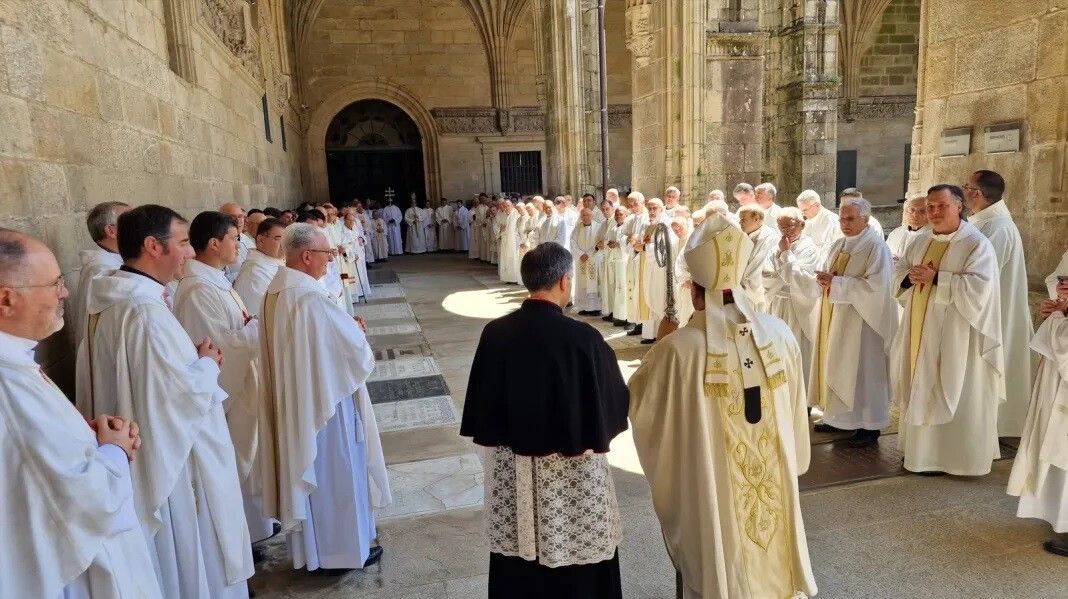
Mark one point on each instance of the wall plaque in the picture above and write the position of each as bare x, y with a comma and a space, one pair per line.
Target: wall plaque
956, 142
1003, 138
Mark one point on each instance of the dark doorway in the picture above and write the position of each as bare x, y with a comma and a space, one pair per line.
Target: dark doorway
846, 169
374, 150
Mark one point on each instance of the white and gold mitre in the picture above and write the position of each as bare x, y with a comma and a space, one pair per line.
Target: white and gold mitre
717, 253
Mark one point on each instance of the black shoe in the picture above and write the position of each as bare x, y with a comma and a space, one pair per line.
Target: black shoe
620, 323
335, 572
822, 427
374, 556
862, 439
569, 304
608, 318
583, 313
931, 473
258, 556
637, 330
1058, 546
648, 341
594, 312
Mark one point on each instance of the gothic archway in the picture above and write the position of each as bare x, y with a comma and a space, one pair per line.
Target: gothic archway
374, 151
371, 89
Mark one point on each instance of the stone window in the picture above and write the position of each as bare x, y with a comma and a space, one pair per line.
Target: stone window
266, 119
178, 19
521, 172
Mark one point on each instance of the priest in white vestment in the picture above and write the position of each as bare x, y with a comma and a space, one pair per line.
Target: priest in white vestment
393, 217
946, 367
1040, 473
752, 220
478, 215
607, 232
323, 464
765, 195
355, 248
728, 392
794, 264
381, 241
102, 222
260, 266
648, 272
857, 319
236, 212
991, 216
508, 260
331, 279
617, 254
461, 222
635, 250
67, 503
584, 252
138, 362
209, 308
430, 228
913, 219
821, 224
446, 229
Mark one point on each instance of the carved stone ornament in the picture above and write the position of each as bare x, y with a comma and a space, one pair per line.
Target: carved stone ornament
891, 107
619, 116
735, 45
528, 119
639, 33
231, 22
475, 120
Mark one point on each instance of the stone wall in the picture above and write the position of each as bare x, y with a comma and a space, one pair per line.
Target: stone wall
986, 62
889, 65
91, 110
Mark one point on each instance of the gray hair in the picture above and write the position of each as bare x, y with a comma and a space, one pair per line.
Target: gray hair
544, 266
637, 196
809, 196
755, 209
743, 188
861, 203
102, 215
299, 236
719, 206
672, 190
716, 194
768, 187
791, 212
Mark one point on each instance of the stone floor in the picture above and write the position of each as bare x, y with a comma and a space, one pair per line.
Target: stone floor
902, 536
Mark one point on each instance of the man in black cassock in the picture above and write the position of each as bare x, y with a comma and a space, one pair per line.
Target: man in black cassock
551, 514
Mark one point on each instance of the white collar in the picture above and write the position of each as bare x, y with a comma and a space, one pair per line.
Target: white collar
215, 276
995, 210
946, 236
18, 350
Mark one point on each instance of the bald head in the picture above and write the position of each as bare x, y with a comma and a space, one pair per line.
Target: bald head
252, 223
31, 287
236, 212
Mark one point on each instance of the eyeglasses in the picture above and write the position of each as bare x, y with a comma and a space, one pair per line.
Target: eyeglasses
59, 285
331, 252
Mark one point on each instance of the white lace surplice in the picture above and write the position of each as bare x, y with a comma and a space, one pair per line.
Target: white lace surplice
561, 511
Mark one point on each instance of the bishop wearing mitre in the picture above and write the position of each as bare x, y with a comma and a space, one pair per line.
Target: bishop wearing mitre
857, 319
323, 463
209, 308
138, 362
1040, 473
65, 495
946, 366
727, 390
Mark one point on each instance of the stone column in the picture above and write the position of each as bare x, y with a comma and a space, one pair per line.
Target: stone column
802, 102
560, 45
648, 83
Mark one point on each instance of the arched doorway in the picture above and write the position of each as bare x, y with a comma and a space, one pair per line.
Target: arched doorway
374, 151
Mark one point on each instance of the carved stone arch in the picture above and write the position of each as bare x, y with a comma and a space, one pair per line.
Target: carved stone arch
859, 19
378, 88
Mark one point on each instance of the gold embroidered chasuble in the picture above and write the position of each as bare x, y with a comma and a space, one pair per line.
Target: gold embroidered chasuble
921, 297
841, 261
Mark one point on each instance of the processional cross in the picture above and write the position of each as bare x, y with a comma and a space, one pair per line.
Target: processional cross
389, 193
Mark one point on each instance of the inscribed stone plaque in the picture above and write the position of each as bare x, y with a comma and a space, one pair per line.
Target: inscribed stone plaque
393, 326
415, 413
956, 142
404, 368
377, 312
1003, 138
401, 389
403, 351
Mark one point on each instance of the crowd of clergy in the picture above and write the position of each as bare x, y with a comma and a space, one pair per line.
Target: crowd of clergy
210, 413
220, 400
783, 316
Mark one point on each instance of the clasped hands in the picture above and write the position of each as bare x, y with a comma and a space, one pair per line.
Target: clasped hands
824, 279
112, 430
923, 274
1060, 304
